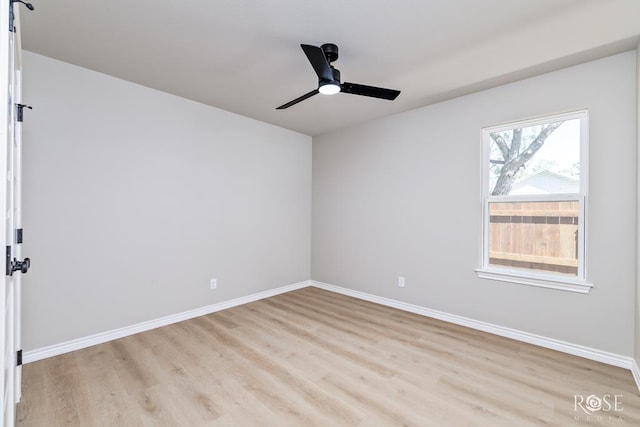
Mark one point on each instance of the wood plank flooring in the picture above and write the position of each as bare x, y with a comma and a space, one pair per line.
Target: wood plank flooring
312, 357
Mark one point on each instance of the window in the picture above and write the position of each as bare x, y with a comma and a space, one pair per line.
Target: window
534, 189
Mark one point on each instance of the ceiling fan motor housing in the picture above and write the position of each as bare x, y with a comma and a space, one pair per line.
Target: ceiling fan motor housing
336, 74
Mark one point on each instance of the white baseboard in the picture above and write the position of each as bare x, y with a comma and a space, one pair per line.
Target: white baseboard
77, 344
635, 370
563, 346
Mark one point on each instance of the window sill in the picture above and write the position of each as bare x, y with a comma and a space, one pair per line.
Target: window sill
562, 284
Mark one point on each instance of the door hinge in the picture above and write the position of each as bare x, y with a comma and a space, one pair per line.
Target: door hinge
19, 234
21, 108
19, 358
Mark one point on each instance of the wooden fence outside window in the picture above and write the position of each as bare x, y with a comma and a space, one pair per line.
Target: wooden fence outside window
535, 235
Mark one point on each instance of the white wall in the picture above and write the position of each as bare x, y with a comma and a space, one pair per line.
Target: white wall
637, 295
401, 197
134, 199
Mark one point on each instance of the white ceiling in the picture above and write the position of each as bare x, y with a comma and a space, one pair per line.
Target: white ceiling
244, 56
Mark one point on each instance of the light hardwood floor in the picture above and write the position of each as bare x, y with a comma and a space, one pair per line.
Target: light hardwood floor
312, 357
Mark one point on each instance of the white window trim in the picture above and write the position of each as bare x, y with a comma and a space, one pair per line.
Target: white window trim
566, 284
577, 283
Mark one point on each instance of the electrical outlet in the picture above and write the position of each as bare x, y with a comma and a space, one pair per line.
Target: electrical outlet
401, 282
213, 284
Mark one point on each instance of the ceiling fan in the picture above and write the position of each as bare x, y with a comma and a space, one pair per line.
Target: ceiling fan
329, 77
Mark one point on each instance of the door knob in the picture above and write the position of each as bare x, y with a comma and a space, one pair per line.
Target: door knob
22, 266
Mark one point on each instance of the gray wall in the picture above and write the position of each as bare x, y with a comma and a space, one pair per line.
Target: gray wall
134, 199
401, 197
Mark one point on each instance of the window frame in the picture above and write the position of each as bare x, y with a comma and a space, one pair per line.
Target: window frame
577, 283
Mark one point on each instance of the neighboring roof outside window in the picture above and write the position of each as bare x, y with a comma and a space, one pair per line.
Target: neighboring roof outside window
546, 182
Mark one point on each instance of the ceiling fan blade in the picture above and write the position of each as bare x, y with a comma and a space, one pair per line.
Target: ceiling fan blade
375, 92
300, 99
319, 62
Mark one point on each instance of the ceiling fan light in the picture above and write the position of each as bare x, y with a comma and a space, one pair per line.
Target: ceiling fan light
329, 88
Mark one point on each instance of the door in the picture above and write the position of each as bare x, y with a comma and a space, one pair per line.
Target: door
10, 210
